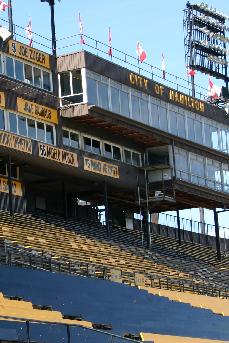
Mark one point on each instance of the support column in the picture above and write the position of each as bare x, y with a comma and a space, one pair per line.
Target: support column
217, 238
65, 203
145, 214
178, 227
10, 185
106, 209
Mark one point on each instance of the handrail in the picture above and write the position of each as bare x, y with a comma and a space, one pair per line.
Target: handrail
125, 59
64, 265
33, 321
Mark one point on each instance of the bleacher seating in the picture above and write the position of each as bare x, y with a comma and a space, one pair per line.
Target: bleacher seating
86, 242
126, 309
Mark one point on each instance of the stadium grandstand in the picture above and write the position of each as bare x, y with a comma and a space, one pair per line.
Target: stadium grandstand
94, 148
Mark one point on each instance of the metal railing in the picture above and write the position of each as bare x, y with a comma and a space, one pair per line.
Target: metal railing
196, 231
15, 255
69, 333
95, 46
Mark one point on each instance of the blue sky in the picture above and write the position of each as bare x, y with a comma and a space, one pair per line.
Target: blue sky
158, 25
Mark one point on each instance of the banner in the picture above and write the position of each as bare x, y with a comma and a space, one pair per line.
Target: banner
15, 142
16, 187
29, 54
37, 111
102, 168
58, 155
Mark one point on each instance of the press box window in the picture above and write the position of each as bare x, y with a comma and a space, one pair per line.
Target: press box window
71, 87
92, 145
70, 139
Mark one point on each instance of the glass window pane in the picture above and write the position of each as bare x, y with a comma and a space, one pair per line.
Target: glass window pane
9, 67
92, 91
14, 171
0, 64
198, 131
49, 134
40, 132
127, 155
66, 140
65, 84
115, 100
96, 147
154, 115
28, 74
87, 144
22, 130
181, 125
19, 70
74, 140
31, 128
116, 153
191, 132
163, 118
13, 122
135, 159
37, 77
76, 82
2, 120
2, 168
46, 81
124, 100
103, 95
74, 99
135, 107
107, 150
144, 111
173, 122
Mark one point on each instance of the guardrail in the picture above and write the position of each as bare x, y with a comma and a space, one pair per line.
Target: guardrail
69, 332
95, 46
14, 255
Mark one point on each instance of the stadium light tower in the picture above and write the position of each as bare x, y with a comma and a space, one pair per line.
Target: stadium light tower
53, 29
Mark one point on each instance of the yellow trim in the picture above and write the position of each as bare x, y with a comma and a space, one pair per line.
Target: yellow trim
37, 111
27, 53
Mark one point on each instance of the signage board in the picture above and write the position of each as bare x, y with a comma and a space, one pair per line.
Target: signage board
15, 142
58, 155
102, 168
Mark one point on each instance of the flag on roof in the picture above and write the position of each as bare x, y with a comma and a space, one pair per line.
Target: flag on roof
191, 72
109, 42
82, 41
163, 66
29, 33
140, 52
214, 91
3, 6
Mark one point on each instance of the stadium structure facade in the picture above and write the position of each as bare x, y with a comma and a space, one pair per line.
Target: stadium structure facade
110, 137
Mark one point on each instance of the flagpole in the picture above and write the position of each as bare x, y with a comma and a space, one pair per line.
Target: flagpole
10, 16
193, 85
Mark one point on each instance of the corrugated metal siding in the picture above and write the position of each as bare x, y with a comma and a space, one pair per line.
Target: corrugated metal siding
71, 62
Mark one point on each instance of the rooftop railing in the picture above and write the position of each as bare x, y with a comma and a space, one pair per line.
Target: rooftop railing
71, 43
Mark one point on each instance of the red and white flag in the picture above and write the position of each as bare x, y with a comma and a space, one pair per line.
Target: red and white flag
214, 91
140, 52
82, 41
163, 66
109, 42
29, 32
3, 6
191, 72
